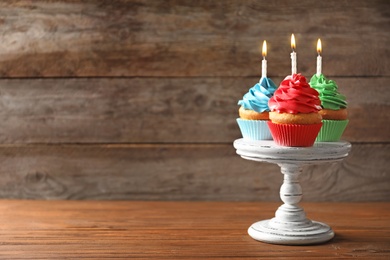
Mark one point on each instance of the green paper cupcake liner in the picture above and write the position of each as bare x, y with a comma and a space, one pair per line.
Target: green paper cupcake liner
331, 130
254, 129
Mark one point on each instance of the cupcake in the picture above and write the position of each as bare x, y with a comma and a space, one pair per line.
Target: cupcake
334, 109
294, 117
254, 111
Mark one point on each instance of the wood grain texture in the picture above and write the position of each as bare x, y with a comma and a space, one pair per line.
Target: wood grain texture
137, 99
184, 38
181, 172
180, 230
159, 110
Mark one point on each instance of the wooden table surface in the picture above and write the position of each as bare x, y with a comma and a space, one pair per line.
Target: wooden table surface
180, 230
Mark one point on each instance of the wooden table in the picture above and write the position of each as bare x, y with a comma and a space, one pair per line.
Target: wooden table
180, 230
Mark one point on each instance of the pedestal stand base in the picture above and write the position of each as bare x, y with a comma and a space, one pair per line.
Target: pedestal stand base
301, 233
290, 225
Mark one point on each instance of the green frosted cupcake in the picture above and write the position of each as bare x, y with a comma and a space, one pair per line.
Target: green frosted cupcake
334, 109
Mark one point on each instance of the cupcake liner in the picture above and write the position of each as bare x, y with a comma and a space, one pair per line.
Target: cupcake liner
254, 129
294, 135
331, 130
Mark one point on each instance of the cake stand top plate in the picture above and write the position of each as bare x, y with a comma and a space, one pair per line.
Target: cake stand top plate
268, 151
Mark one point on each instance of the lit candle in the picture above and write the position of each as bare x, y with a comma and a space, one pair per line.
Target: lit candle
264, 61
293, 56
319, 58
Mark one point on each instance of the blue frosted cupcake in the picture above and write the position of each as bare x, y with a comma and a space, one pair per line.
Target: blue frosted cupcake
254, 111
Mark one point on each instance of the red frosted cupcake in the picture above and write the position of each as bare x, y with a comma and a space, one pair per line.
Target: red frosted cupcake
294, 116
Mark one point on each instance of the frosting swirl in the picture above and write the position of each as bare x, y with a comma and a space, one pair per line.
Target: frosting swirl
329, 95
257, 97
294, 96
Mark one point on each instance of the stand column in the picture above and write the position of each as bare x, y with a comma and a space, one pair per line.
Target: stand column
291, 195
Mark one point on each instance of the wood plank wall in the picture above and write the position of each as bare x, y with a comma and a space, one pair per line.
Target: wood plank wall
138, 99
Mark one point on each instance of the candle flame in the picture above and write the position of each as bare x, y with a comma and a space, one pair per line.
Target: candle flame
264, 51
319, 47
293, 42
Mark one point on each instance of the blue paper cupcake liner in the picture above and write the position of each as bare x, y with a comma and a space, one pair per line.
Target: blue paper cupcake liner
254, 129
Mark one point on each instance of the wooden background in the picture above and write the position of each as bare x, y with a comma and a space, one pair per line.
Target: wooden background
138, 99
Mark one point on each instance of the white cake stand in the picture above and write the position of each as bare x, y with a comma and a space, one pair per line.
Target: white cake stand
290, 225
